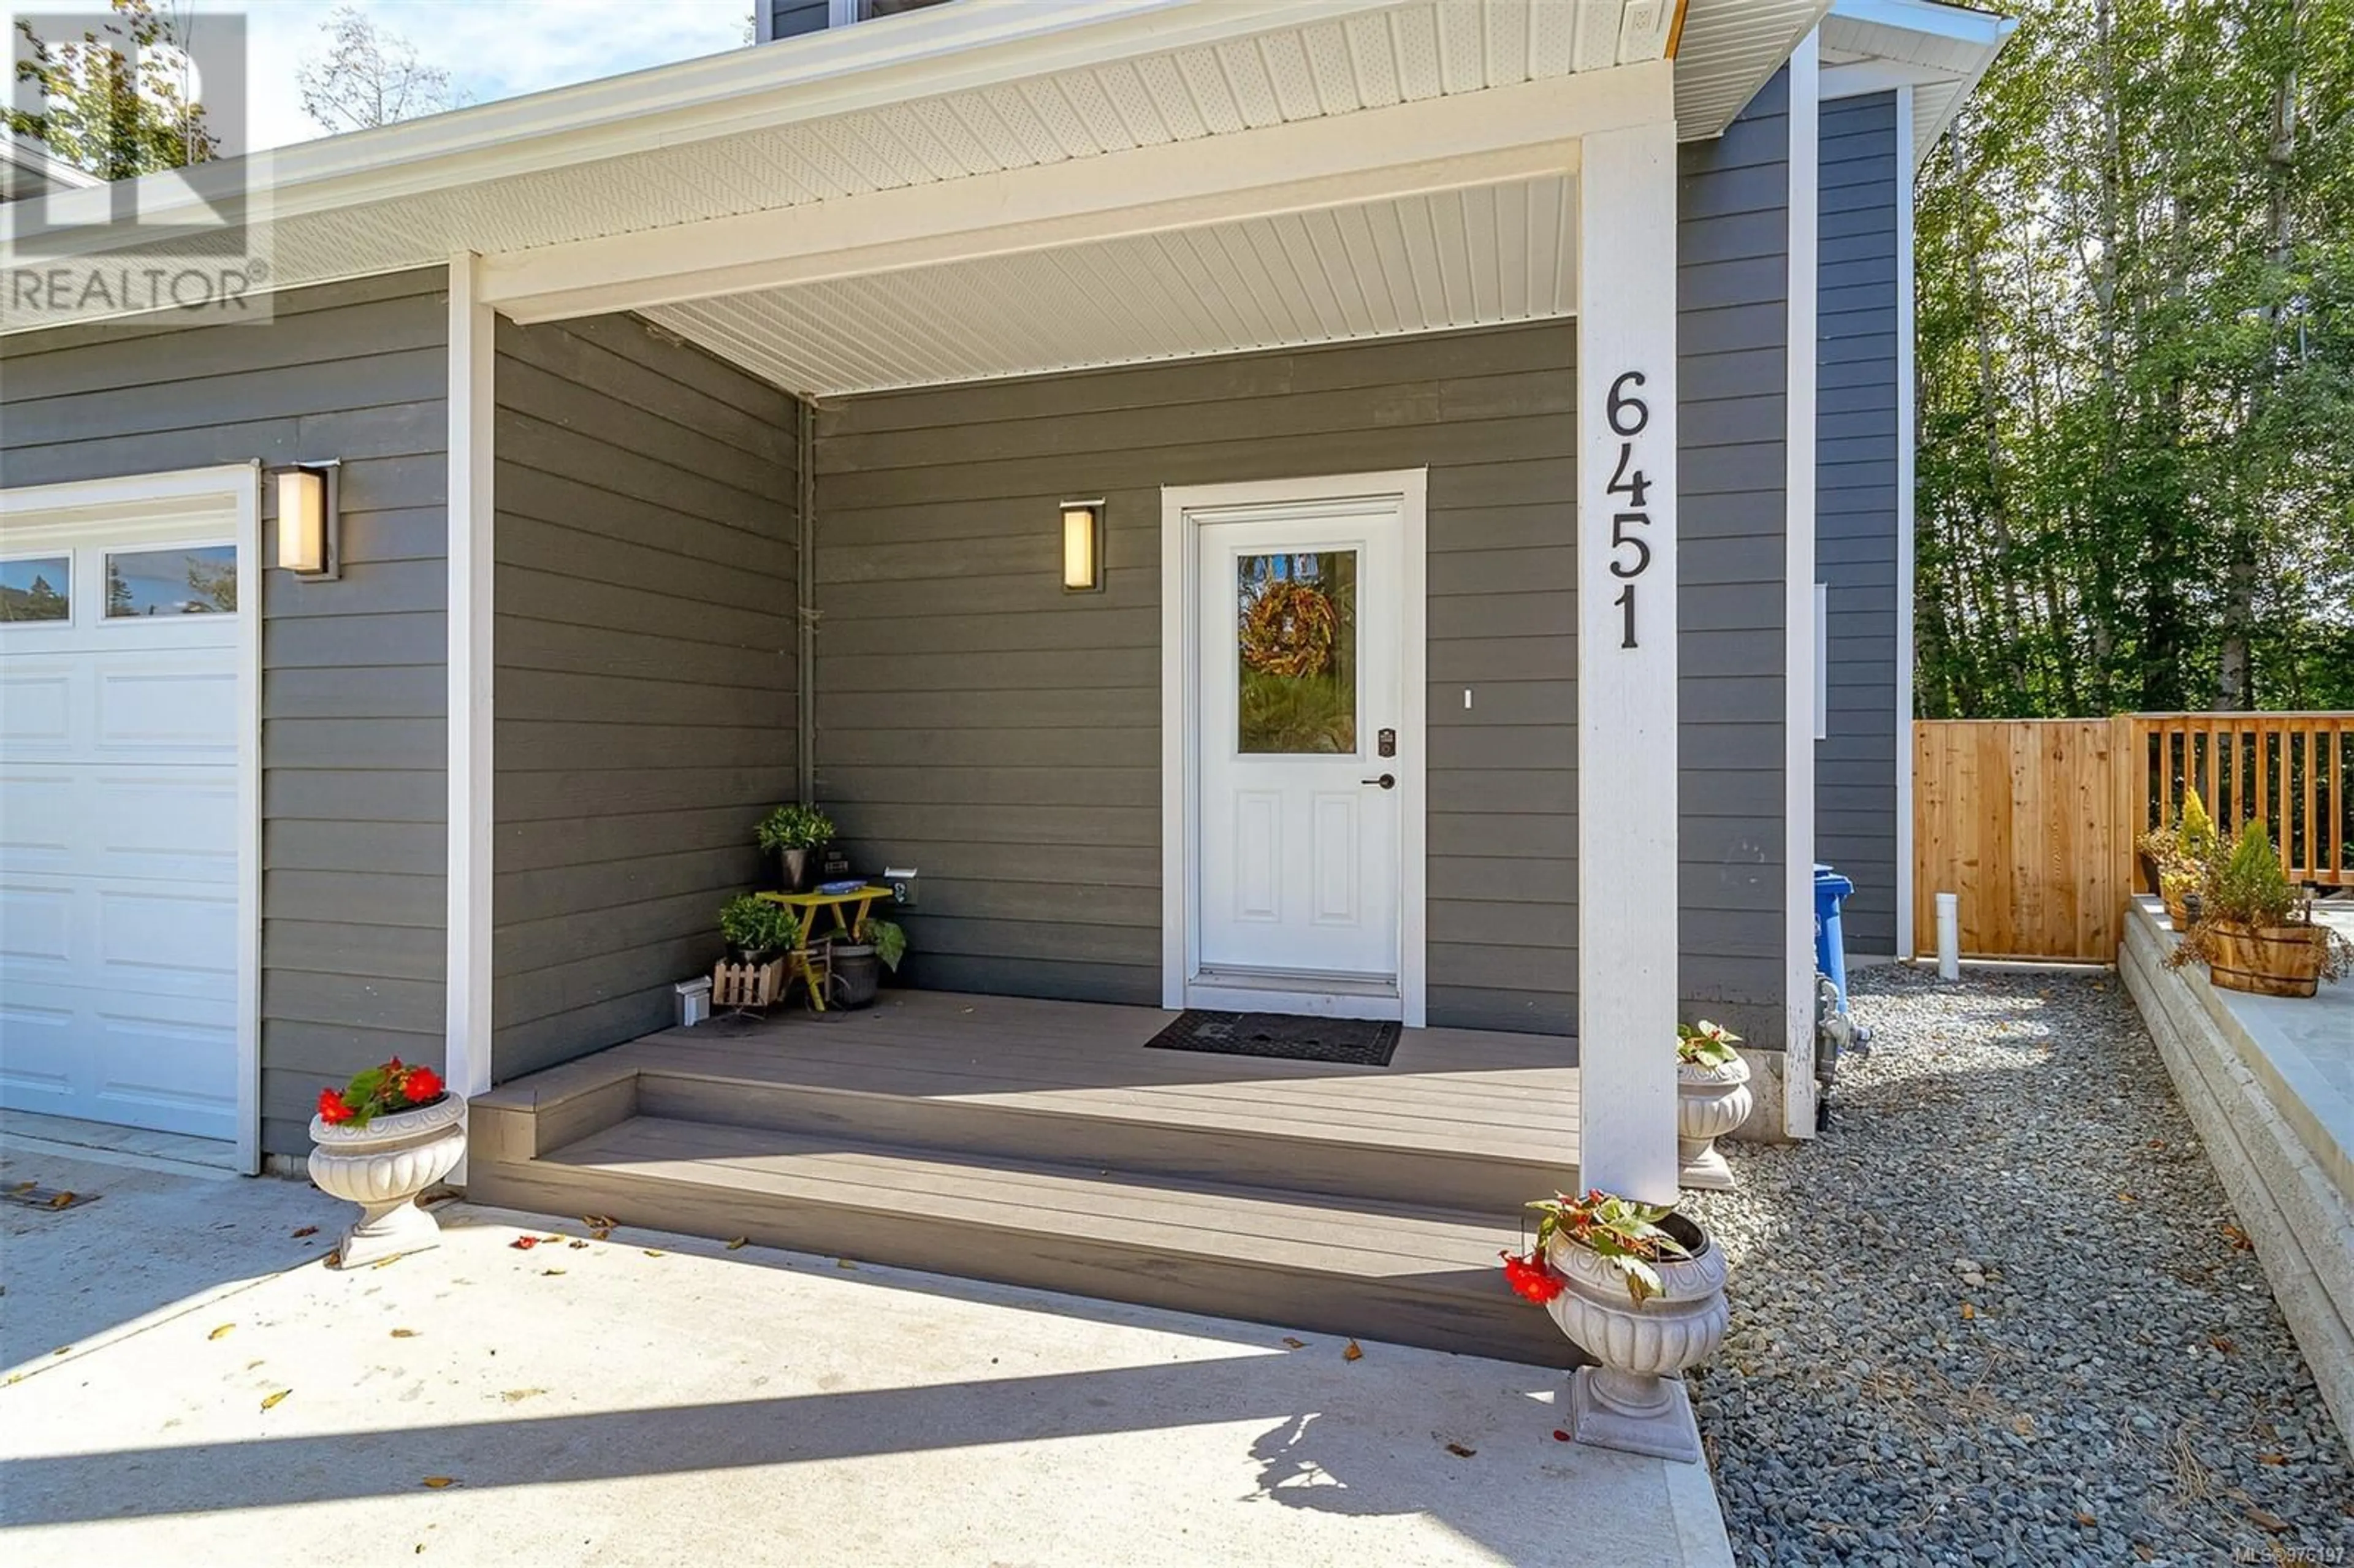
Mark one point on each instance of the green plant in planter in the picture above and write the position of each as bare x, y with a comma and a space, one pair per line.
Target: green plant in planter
889, 942
2184, 849
2247, 889
795, 826
753, 925
1706, 1045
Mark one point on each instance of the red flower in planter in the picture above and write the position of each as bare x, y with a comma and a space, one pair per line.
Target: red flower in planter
332, 1108
1533, 1277
422, 1084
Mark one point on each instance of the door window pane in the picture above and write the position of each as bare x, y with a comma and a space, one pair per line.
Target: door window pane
199, 579
37, 587
1296, 625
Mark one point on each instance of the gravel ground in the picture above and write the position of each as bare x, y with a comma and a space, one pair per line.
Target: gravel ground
2000, 1313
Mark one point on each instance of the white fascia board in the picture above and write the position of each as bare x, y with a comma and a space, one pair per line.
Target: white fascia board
840, 70
1440, 143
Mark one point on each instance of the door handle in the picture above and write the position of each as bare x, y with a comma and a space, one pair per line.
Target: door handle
1387, 781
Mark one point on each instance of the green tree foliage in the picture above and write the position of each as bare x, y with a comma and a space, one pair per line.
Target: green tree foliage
2136, 291
114, 101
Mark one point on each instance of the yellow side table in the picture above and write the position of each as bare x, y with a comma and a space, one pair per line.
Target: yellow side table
808, 905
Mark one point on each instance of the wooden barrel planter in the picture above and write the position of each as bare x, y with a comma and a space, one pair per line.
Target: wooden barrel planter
2272, 961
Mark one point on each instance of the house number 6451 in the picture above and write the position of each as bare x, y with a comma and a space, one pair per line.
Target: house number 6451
1629, 416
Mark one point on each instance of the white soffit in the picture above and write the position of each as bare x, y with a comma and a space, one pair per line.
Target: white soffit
1729, 50
1481, 257
778, 145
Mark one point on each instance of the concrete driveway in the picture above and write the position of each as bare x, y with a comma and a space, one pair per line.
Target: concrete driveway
187, 1383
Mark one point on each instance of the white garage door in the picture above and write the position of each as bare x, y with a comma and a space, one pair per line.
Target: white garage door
119, 723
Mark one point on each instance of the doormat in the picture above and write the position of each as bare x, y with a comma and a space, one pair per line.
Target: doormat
1351, 1041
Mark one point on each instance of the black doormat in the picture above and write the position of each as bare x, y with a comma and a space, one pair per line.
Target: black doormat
1352, 1042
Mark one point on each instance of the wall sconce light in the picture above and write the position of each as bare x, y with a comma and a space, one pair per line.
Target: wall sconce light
309, 524
1083, 540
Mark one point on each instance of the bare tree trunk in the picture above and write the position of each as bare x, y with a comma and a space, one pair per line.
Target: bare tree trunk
2235, 678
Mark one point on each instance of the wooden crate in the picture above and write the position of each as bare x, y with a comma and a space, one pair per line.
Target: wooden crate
749, 985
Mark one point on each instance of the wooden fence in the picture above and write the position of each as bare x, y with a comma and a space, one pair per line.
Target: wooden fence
2032, 821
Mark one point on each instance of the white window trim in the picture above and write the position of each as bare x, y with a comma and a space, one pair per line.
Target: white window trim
1179, 733
234, 489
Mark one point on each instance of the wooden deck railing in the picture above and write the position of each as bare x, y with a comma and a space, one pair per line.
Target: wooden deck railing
2032, 821
2286, 770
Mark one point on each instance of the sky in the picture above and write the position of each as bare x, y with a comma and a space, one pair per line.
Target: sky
491, 49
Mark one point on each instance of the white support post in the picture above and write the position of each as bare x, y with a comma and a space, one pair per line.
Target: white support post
467, 1012
1798, 584
1626, 774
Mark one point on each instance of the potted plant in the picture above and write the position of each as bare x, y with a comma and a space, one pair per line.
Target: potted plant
378, 1141
851, 959
1640, 1288
2179, 854
1712, 1098
794, 834
758, 931
2256, 932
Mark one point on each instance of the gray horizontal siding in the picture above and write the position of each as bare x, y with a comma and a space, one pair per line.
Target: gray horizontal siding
1733, 331
352, 680
792, 18
975, 721
645, 653
1856, 512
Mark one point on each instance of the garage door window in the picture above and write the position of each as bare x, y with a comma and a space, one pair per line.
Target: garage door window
36, 587
184, 580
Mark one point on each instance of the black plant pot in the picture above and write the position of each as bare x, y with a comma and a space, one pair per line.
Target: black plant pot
856, 974
796, 869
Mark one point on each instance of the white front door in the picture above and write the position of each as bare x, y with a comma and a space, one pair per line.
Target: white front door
1302, 719
121, 719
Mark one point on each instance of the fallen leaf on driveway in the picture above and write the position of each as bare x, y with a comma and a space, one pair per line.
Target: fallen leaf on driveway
575, 1244
1559, 1435
2220, 1343
1350, 1353
2086, 1520
437, 1483
216, 1333
2271, 1458
388, 1262
2263, 1520
1460, 1451
524, 1244
1968, 1310
334, 1259
544, 1272
844, 1263
272, 1402
305, 1231
737, 1243
552, 1240
404, 1333
600, 1233
1295, 1344
61, 1349
518, 1395
651, 1252
2238, 1238
605, 1221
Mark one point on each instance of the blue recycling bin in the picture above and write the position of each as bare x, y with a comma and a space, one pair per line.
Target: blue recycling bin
1831, 891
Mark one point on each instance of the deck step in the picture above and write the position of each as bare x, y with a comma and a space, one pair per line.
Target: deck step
1382, 1270
1426, 1141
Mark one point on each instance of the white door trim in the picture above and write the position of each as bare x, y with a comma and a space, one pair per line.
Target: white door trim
1181, 761
234, 488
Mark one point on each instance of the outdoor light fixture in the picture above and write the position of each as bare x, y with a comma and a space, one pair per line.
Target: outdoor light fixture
1083, 546
307, 521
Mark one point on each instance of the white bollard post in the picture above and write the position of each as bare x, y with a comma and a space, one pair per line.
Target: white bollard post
1949, 936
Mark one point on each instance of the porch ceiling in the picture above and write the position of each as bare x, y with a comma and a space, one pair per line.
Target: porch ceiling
925, 99
1477, 256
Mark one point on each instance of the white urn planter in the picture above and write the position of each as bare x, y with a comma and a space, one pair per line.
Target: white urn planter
382, 1167
1635, 1400
1710, 1103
